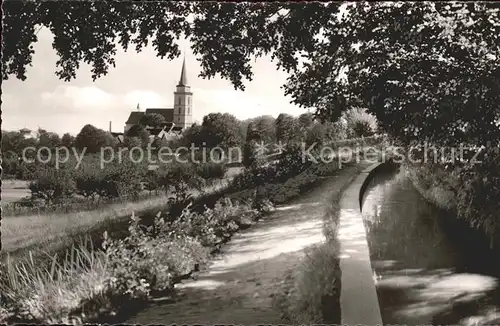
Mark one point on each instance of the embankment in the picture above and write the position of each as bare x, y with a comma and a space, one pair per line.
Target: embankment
441, 189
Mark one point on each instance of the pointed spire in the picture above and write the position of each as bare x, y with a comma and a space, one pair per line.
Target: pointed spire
183, 79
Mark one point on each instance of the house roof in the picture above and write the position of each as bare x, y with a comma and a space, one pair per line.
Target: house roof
134, 117
167, 113
155, 131
118, 136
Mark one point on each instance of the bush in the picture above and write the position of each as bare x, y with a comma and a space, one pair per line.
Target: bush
52, 184
211, 171
470, 190
90, 181
291, 163
151, 181
360, 123
215, 225
293, 187
313, 297
478, 193
122, 180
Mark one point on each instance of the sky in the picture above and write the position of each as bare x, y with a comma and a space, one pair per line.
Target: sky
45, 101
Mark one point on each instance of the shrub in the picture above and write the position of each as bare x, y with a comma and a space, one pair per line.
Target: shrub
122, 180
360, 123
211, 171
291, 162
151, 181
313, 297
478, 193
131, 142
214, 225
89, 182
52, 184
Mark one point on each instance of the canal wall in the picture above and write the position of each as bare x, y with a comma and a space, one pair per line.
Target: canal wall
371, 172
358, 295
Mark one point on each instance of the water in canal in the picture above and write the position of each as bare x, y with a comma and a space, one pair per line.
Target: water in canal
428, 269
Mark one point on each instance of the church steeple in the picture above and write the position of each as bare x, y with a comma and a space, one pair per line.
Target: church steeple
183, 115
183, 79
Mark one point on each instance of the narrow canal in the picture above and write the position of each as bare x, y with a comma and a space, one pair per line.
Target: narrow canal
428, 269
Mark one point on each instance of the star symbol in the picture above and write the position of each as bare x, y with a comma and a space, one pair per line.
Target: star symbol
261, 148
280, 148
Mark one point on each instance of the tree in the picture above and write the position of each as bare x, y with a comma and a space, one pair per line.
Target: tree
306, 120
131, 142
287, 128
373, 55
12, 141
418, 90
250, 154
360, 123
52, 184
192, 135
335, 130
93, 139
138, 131
67, 140
316, 134
152, 120
48, 139
252, 133
265, 127
220, 129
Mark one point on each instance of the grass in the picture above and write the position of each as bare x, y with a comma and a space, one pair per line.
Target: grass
435, 186
14, 184
53, 231
16, 199
60, 288
50, 232
13, 190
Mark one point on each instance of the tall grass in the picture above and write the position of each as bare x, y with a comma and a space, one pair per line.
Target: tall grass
51, 293
313, 289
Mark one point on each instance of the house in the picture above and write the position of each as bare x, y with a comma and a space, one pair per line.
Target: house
167, 131
118, 136
25, 131
28, 133
180, 116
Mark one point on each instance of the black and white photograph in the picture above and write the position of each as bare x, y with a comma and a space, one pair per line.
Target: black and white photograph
250, 163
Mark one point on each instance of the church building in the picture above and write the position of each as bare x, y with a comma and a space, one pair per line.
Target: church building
177, 118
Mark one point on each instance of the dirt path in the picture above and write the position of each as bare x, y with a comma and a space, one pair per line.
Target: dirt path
239, 284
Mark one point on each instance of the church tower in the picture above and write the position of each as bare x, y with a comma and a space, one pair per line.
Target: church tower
183, 101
